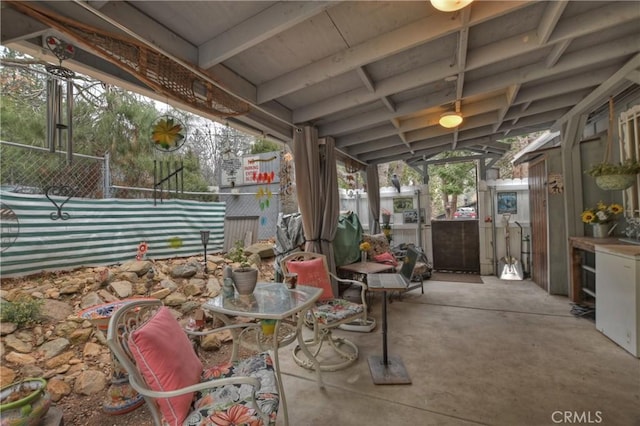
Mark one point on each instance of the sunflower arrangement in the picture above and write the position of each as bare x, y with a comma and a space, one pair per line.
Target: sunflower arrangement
602, 213
365, 246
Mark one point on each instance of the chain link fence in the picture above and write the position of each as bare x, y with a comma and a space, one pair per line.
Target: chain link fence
31, 170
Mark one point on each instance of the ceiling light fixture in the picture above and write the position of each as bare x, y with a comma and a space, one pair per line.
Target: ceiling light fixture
450, 119
450, 5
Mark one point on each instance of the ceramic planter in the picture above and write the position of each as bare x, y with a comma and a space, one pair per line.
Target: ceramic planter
24, 403
245, 280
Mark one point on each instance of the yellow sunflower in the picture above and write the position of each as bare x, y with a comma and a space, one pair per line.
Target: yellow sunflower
615, 208
588, 216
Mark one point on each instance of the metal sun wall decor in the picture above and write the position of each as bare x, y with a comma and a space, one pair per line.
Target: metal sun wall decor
168, 133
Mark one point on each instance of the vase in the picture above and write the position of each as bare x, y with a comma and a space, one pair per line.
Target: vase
24, 403
600, 230
245, 280
363, 256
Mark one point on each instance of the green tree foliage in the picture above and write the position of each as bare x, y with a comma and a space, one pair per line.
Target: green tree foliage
263, 145
106, 119
452, 179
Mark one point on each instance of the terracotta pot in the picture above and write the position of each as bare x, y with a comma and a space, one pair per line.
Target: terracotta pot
29, 409
245, 280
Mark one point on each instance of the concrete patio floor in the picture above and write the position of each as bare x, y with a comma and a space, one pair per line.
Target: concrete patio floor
498, 353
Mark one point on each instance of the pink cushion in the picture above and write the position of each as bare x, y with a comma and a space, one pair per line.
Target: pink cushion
312, 273
387, 258
167, 361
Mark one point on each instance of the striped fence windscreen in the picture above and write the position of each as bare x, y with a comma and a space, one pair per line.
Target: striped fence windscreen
39, 236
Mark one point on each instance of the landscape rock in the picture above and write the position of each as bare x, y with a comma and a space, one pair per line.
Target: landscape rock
175, 299
122, 289
20, 359
7, 375
18, 345
80, 335
59, 360
139, 267
91, 299
57, 389
54, 347
56, 310
68, 350
184, 271
90, 382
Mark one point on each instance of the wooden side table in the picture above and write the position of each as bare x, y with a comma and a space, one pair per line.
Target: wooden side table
576, 246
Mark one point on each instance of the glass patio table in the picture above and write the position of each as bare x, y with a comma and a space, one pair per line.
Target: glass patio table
270, 301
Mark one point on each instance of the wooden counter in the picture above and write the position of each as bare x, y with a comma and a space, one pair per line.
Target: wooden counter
578, 244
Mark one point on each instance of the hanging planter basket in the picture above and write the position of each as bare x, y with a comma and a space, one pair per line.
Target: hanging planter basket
615, 182
168, 133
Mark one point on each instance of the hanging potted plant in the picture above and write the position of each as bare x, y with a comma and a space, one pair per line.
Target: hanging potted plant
614, 176
245, 277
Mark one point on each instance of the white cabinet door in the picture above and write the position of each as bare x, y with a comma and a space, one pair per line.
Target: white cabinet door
617, 307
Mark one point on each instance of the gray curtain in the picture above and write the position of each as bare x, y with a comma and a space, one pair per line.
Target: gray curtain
317, 189
306, 155
330, 203
373, 193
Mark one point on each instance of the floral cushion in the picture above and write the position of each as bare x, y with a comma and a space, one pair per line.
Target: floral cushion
231, 404
379, 244
333, 311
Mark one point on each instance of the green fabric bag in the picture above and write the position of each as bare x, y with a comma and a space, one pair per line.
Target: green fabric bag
346, 244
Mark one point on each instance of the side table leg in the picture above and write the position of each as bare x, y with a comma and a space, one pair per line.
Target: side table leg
276, 361
385, 358
387, 370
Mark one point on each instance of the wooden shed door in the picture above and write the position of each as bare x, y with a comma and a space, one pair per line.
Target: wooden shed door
538, 213
456, 245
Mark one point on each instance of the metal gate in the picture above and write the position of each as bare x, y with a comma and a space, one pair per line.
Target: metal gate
456, 245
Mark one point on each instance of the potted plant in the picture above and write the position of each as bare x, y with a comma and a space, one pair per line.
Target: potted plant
25, 402
386, 216
600, 216
244, 276
612, 176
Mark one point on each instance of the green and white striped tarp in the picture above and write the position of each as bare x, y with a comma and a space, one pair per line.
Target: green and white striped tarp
101, 232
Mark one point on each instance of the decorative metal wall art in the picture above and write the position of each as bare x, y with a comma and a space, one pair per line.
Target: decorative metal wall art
168, 133
60, 191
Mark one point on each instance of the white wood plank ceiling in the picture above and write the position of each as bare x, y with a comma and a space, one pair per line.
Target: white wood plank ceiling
376, 76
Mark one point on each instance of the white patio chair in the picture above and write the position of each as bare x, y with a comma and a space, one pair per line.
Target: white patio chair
163, 367
327, 314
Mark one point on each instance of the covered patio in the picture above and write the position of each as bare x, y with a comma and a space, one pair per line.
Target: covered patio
367, 82
500, 353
